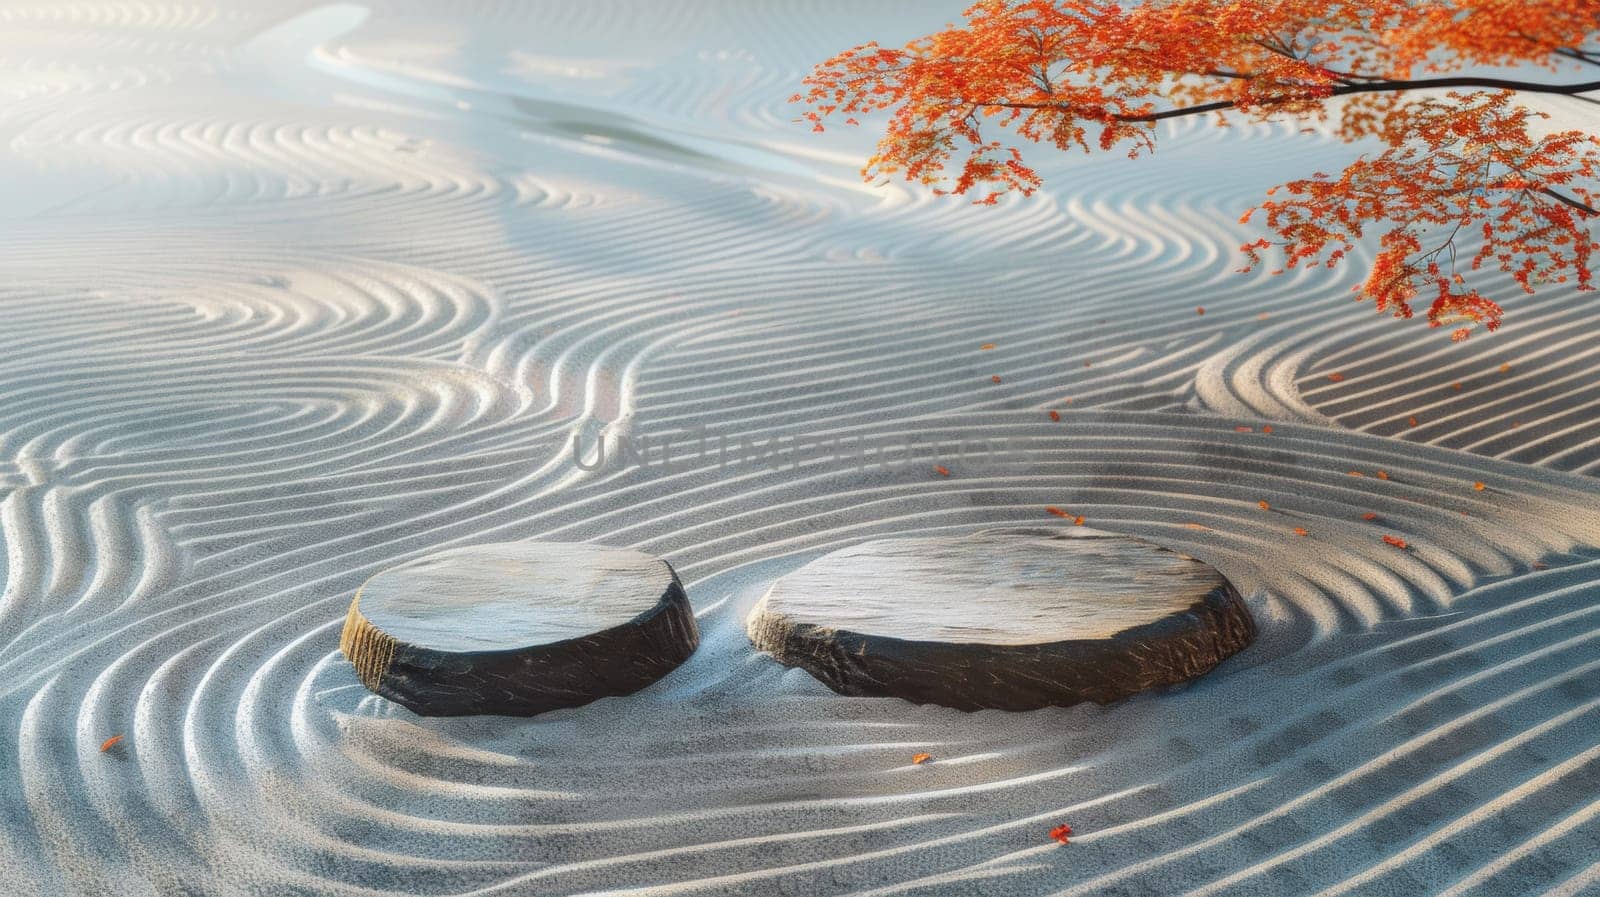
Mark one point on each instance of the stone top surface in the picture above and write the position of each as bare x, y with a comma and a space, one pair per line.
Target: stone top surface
512, 595
995, 587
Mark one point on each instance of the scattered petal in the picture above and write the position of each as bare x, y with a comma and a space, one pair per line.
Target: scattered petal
1200, 310
1369, 516
920, 759
986, 346
1396, 541
110, 743
1383, 474
1198, 526
1242, 429
1479, 486
1078, 520
1263, 505
1336, 377
1055, 415
1505, 368
1052, 509
995, 378
1301, 531
1061, 833
1267, 428
1412, 420
941, 470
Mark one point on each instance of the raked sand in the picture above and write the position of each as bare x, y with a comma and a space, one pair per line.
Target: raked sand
294, 293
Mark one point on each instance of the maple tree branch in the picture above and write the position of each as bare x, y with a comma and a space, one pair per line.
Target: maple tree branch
1579, 54
1344, 90
1570, 202
1369, 87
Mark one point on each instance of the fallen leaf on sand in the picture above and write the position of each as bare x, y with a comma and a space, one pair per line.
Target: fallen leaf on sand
1396, 541
110, 743
1052, 509
1198, 526
920, 759
1061, 833
986, 346
941, 470
1505, 368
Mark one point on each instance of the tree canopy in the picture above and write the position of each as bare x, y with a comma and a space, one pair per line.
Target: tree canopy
1460, 154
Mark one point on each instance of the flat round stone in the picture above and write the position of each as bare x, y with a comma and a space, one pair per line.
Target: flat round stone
1008, 619
518, 628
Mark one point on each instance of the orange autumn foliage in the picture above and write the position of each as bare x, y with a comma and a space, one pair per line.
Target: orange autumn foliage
963, 103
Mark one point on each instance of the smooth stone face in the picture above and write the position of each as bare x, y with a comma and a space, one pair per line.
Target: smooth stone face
512, 595
1010, 619
996, 590
518, 628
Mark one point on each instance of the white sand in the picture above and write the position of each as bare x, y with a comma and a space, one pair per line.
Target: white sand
287, 304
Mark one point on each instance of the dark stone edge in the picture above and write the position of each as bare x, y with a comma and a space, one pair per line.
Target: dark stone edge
974, 676
540, 678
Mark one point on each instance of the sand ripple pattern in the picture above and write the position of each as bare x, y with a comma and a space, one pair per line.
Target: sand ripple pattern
299, 292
